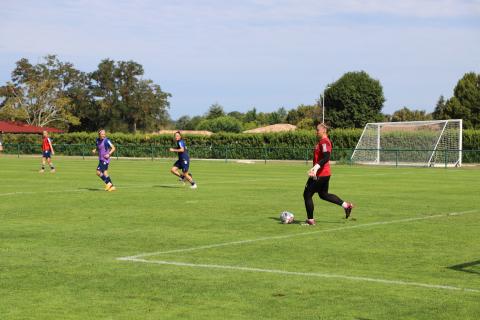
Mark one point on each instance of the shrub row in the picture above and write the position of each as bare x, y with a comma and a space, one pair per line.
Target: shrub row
289, 145
343, 138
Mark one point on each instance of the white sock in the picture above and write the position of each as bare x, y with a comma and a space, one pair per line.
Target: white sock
345, 204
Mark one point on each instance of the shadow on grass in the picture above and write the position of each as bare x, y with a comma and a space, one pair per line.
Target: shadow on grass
302, 221
92, 189
167, 186
464, 267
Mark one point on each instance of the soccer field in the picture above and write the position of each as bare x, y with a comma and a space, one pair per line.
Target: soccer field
155, 249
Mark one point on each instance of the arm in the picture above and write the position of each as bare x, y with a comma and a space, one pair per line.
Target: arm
111, 151
51, 146
177, 150
181, 147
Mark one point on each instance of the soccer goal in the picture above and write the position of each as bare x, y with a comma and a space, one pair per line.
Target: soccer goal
415, 143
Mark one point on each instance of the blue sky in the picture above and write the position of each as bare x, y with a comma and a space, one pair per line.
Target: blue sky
256, 53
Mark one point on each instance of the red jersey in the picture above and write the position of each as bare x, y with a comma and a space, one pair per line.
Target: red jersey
324, 145
46, 144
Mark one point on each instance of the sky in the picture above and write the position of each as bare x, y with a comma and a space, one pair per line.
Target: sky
255, 53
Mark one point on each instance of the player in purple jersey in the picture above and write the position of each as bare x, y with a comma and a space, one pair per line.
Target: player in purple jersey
105, 149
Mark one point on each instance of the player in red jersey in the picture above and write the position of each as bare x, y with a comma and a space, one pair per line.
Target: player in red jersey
319, 177
47, 151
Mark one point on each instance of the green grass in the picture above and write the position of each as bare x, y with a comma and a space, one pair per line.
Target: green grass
61, 235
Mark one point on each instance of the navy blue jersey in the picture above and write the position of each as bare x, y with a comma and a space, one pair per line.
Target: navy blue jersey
182, 155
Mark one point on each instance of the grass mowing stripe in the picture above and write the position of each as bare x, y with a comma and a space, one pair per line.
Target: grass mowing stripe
307, 274
224, 244
14, 193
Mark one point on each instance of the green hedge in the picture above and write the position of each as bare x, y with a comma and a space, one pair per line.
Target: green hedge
288, 145
342, 138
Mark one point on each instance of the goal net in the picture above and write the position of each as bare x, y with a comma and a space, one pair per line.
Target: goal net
415, 143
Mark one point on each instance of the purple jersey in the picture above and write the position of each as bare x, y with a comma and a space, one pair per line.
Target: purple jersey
103, 147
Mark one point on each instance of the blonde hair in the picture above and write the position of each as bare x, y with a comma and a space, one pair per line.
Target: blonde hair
323, 125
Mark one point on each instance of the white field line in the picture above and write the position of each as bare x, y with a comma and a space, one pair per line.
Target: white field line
239, 242
306, 274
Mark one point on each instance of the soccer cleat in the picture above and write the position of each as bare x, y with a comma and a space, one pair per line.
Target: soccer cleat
193, 186
52, 171
348, 210
41, 171
310, 222
112, 188
108, 186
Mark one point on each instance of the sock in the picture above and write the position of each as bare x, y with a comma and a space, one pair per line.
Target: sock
52, 167
103, 178
345, 205
43, 167
192, 183
108, 180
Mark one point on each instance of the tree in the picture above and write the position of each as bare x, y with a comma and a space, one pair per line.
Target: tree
221, 124
38, 93
405, 114
354, 100
294, 116
465, 103
439, 112
236, 114
124, 101
306, 123
215, 111
251, 115
182, 122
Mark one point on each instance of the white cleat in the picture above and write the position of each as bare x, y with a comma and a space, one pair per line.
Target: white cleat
193, 186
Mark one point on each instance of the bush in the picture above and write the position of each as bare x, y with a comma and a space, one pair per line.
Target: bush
221, 124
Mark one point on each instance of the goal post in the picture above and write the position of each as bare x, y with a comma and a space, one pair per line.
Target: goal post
415, 143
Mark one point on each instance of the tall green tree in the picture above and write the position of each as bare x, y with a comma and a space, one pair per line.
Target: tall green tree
215, 111
465, 103
353, 100
38, 94
124, 101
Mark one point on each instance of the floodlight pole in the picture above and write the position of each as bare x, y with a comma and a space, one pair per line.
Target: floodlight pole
323, 104
323, 107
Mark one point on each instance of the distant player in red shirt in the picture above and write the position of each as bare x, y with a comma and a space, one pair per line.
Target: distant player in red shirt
47, 151
319, 177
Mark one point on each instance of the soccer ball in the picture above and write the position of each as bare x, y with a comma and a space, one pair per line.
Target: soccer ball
287, 217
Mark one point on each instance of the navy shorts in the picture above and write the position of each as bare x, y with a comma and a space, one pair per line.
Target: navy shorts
102, 166
46, 154
182, 164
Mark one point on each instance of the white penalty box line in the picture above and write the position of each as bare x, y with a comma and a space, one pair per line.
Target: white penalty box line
140, 257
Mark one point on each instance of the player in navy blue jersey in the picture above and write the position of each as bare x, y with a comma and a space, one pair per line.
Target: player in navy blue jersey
183, 161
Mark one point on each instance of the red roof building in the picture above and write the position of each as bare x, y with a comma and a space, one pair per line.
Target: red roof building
20, 127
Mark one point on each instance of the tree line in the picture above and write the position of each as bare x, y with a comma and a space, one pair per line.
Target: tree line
115, 96
54, 93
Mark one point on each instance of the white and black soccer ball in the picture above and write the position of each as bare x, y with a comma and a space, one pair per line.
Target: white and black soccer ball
287, 217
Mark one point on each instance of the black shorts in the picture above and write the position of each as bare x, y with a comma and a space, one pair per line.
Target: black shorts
317, 185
